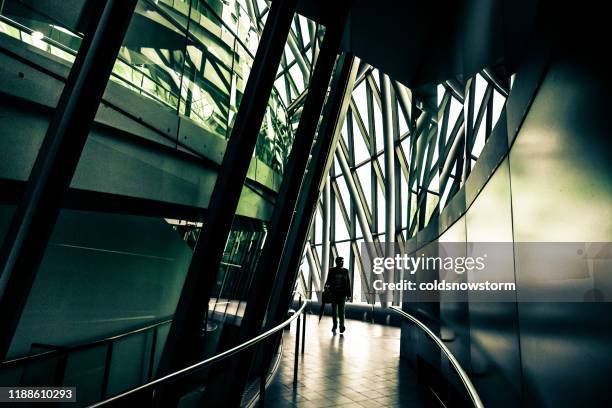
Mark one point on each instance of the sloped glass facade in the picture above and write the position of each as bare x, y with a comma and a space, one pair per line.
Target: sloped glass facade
435, 135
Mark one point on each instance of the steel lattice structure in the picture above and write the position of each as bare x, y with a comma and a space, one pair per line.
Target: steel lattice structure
402, 156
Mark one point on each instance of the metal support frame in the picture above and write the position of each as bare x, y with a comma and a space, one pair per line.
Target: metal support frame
267, 273
389, 156
150, 370
322, 155
314, 270
33, 222
470, 92
296, 357
303, 332
327, 220
266, 351
107, 367
183, 336
148, 394
432, 122
262, 388
397, 187
292, 181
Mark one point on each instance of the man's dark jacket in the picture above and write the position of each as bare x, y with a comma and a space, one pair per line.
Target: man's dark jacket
338, 283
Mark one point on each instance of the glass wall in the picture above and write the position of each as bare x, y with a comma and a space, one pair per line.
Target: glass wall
433, 153
100, 307
242, 249
191, 57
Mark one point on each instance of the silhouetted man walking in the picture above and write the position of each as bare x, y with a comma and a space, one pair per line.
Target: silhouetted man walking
338, 285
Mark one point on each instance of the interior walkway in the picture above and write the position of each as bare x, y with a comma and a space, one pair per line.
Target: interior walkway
360, 368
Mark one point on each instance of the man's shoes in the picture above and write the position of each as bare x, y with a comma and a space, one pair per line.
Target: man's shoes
342, 329
334, 329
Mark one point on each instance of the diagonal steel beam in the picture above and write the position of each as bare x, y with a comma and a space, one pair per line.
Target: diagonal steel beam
182, 342
321, 159
327, 221
268, 272
33, 222
389, 178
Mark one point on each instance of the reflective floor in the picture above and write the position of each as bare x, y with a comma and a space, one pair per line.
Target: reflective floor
360, 368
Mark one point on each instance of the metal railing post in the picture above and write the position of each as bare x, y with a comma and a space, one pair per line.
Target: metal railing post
60, 370
262, 379
297, 346
154, 388
303, 331
465, 379
107, 367
152, 355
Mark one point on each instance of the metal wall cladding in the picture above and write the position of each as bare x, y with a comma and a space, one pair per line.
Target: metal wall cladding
454, 310
102, 273
555, 185
494, 338
561, 176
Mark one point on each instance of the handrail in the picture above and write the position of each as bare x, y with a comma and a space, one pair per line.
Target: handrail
73, 52
204, 363
460, 371
81, 346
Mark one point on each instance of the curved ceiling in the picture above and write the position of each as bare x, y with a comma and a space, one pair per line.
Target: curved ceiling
420, 42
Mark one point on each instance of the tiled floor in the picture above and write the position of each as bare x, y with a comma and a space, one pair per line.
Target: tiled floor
361, 368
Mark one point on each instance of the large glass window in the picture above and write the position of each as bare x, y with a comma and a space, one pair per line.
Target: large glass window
192, 57
432, 146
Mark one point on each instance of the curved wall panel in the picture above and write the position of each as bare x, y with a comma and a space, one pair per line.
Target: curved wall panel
553, 184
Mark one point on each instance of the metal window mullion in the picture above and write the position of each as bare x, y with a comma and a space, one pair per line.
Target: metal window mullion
422, 125
376, 97
286, 79
373, 148
481, 113
380, 179
357, 200
285, 69
365, 133
469, 129
182, 341
398, 176
364, 70
454, 87
298, 56
405, 101
315, 269
489, 117
453, 134
490, 76
341, 206
349, 137
365, 284
452, 157
318, 167
443, 118
354, 179
403, 163
327, 221
387, 103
